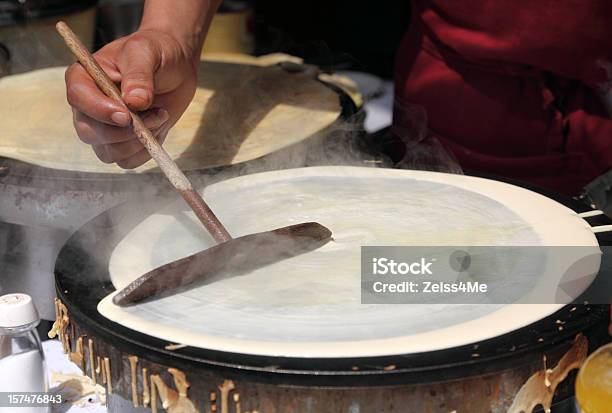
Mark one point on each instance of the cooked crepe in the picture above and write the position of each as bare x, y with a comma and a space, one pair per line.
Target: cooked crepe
239, 113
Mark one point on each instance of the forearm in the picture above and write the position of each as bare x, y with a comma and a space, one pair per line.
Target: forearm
186, 20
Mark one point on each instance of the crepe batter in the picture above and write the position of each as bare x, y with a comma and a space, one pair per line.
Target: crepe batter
315, 298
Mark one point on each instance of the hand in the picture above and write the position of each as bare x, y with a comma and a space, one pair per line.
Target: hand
158, 77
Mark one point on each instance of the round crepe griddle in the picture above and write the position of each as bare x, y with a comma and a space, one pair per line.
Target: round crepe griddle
309, 306
239, 113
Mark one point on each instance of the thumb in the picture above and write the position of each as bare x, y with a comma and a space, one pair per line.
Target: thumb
138, 63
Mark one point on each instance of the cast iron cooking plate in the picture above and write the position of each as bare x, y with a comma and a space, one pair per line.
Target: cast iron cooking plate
82, 280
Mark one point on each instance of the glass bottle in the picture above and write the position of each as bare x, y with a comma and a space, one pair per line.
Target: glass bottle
22, 363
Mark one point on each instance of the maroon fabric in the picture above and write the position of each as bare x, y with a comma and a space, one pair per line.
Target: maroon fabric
510, 86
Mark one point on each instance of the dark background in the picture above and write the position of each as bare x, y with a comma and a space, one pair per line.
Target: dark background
333, 34
340, 34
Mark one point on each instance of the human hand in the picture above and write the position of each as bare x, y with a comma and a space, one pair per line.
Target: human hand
158, 77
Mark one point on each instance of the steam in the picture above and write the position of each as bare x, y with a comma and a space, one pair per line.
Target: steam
342, 143
424, 151
26, 49
71, 199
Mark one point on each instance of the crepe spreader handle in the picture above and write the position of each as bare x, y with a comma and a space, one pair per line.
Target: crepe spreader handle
176, 177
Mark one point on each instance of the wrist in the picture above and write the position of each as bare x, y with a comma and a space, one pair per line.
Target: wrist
186, 22
187, 42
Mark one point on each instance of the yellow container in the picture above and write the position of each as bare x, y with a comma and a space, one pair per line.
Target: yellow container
594, 382
229, 33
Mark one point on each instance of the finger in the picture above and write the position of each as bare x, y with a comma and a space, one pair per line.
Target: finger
116, 152
135, 160
143, 156
102, 154
138, 62
176, 102
93, 132
109, 68
84, 95
162, 132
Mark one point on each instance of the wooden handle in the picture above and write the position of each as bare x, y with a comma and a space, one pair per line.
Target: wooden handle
176, 177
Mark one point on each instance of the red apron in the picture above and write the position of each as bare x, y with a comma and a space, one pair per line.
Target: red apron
512, 87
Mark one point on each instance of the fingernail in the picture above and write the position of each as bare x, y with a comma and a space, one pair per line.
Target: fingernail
140, 94
120, 118
156, 118
163, 115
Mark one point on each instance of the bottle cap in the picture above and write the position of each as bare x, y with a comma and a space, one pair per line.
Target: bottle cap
17, 310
